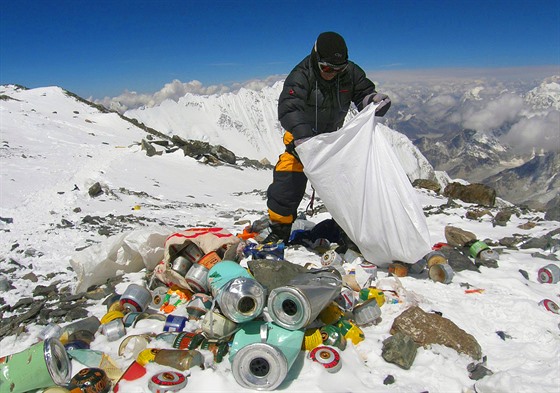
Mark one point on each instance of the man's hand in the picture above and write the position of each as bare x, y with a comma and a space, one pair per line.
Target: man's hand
383, 101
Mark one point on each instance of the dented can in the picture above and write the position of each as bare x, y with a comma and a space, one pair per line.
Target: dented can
366, 313
113, 330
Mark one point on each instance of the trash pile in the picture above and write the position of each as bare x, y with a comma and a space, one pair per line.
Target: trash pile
218, 297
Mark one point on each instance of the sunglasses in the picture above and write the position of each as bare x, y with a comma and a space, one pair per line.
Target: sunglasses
329, 68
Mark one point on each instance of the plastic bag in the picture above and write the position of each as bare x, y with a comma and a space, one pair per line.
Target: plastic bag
364, 187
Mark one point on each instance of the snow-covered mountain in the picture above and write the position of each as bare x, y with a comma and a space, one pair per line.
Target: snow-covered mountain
246, 122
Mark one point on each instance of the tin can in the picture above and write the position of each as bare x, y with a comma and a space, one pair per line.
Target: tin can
52, 330
131, 346
197, 278
179, 358
297, 304
158, 297
192, 252
331, 313
181, 265
351, 331
175, 323
312, 338
82, 335
113, 330
549, 274
346, 299
331, 258
130, 318
262, 353
46, 361
441, 273
91, 380
477, 247
136, 298
328, 357
209, 260
241, 298
167, 381
488, 255
434, 258
90, 324
550, 306
398, 269
332, 336
199, 305
216, 326
366, 313
218, 348
188, 340
372, 293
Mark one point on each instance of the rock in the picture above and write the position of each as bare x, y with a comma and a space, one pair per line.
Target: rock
502, 217
223, 154
31, 277
457, 237
399, 349
457, 259
95, 190
472, 193
389, 380
273, 274
150, 150
428, 328
477, 214
427, 184
41, 290
553, 209
510, 242
545, 242
76, 313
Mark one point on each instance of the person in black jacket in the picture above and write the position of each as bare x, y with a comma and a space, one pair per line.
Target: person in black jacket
314, 100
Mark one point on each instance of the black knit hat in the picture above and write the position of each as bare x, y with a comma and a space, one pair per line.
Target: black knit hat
331, 48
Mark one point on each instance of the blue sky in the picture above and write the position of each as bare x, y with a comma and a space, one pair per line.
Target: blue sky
102, 48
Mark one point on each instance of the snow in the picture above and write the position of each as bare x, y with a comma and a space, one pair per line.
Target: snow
49, 160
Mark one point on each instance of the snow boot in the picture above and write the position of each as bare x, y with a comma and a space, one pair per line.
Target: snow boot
279, 232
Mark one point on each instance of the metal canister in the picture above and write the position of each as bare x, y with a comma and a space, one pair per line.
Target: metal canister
441, 273
477, 247
113, 330
199, 305
216, 326
52, 330
366, 313
262, 353
130, 318
192, 252
91, 380
331, 258
331, 335
167, 381
298, 303
328, 357
181, 265
175, 323
188, 340
136, 298
179, 358
434, 258
158, 297
46, 361
351, 331
209, 260
398, 269
550, 306
549, 274
218, 348
197, 278
241, 298
372, 293
331, 313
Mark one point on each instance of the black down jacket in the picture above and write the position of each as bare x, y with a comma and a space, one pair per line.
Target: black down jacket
309, 105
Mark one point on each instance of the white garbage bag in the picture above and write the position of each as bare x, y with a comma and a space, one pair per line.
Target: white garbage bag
364, 187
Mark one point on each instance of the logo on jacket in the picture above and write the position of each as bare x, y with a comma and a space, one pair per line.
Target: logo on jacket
291, 92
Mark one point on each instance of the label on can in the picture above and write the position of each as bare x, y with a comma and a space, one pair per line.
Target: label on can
209, 260
550, 306
91, 380
477, 247
327, 357
167, 381
549, 274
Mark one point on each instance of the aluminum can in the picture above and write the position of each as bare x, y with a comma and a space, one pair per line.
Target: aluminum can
197, 278
175, 323
241, 298
332, 336
113, 330
216, 326
366, 313
298, 303
136, 298
328, 357
181, 265
46, 361
262, 353
192, 252
331, 258
477, 247
549, 274
441, 273
167, 381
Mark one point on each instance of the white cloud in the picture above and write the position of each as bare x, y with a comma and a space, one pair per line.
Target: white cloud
538, 132
494, 114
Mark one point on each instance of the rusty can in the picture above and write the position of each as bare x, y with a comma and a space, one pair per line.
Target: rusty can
398, 269
549, 274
